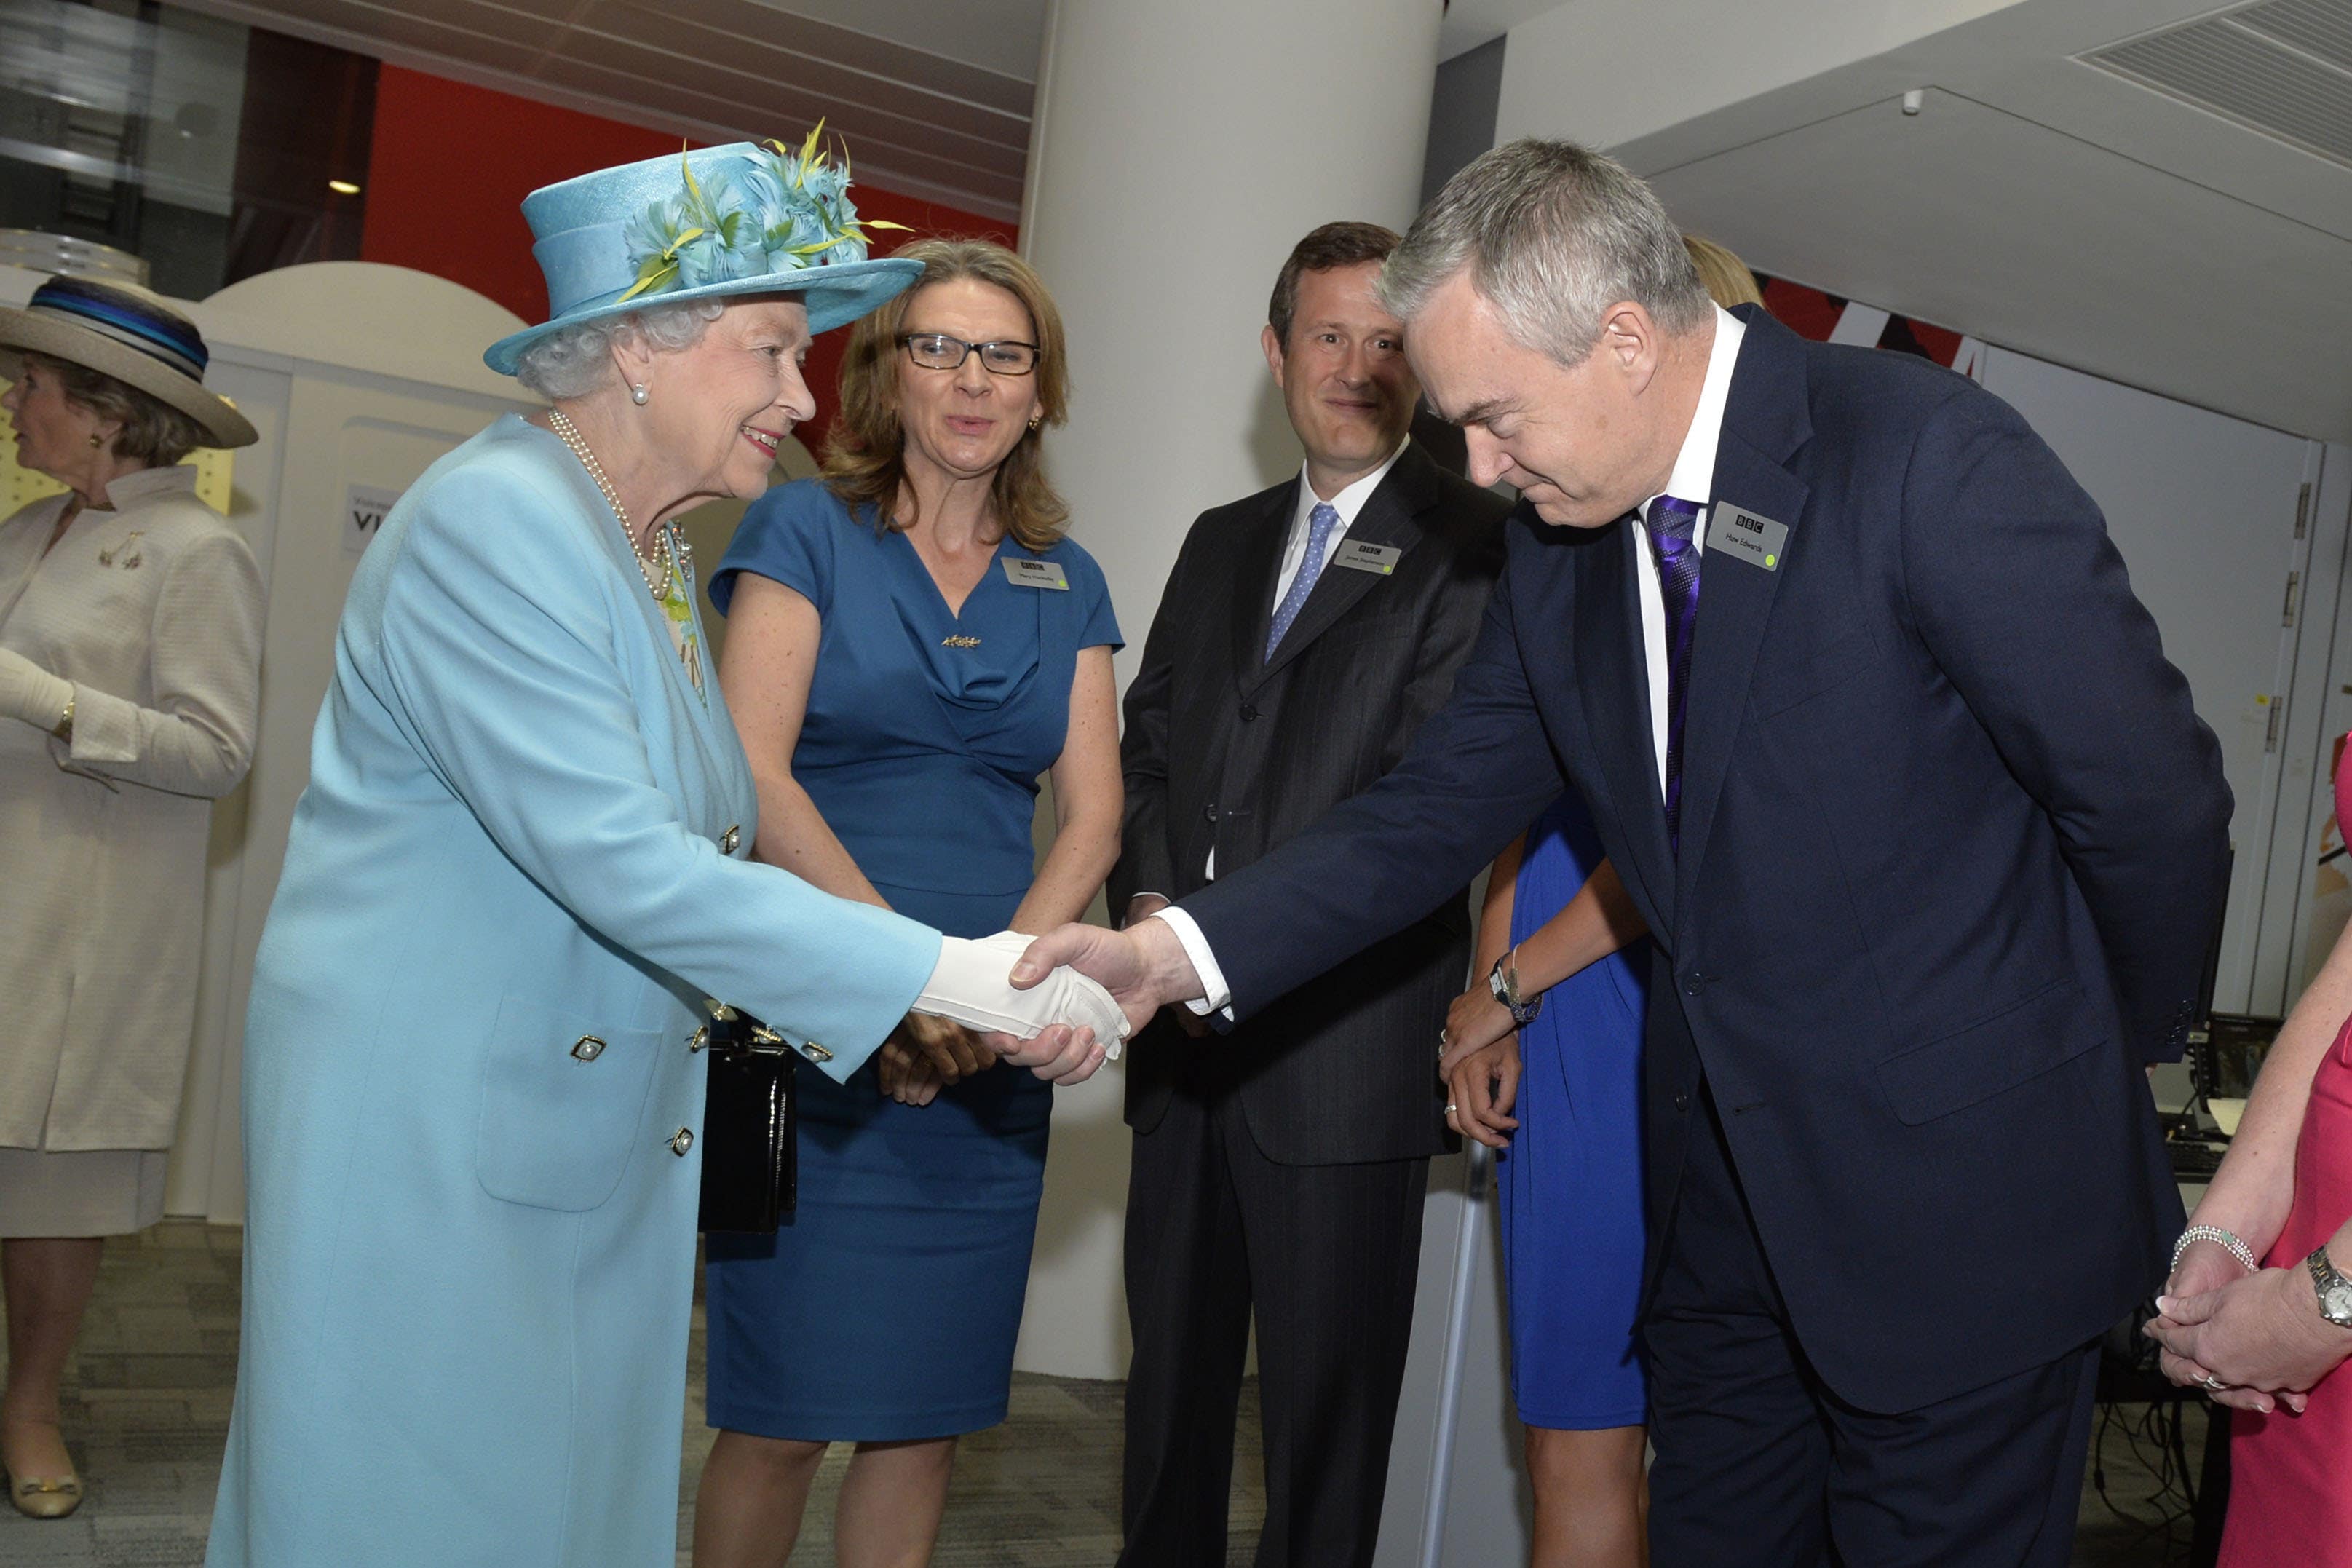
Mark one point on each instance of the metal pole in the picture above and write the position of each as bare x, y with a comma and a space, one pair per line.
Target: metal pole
1469, 1246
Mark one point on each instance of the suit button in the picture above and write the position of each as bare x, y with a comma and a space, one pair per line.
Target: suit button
681, 1141
1682, 1100
1694, 983
815, 1052
1209, 812
587, 1049
1249, 712
728, 839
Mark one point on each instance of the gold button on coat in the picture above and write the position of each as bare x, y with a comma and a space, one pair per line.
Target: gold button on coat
682, 1142
815, 1052
728, 839
587, 1049
699, 1038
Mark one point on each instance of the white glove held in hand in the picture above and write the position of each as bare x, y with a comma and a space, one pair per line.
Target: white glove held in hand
970, 986
31, 694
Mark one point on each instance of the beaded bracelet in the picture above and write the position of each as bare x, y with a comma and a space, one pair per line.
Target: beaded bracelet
2227, 1240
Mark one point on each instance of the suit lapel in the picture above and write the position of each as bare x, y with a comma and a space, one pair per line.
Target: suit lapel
1611, 674
1386, 518
1763, 423
1255, 563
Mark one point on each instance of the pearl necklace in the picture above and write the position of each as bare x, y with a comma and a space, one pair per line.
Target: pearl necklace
570, 435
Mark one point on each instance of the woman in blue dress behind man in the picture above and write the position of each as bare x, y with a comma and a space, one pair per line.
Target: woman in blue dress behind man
1568, 946
911, 644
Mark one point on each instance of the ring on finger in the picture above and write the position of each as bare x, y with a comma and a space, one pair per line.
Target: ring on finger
2213, 1384
1449, 1107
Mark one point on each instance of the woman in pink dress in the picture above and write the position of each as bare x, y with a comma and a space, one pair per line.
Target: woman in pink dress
2268, 1340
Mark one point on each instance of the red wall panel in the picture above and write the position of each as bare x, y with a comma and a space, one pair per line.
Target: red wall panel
451, 164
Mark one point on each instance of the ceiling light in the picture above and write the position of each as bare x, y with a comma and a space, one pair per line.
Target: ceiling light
342, 188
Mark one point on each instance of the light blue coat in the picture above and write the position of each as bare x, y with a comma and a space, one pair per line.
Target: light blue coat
470, 1242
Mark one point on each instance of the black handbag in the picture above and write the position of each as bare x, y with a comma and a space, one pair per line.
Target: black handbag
749, 1167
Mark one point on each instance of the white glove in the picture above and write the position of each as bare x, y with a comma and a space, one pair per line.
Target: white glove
970, 986
31, 694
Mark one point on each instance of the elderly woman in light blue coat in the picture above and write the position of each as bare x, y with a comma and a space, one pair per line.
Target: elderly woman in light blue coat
471, 1092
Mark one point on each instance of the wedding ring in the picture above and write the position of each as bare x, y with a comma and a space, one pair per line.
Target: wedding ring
2208, 1380
1449, 1107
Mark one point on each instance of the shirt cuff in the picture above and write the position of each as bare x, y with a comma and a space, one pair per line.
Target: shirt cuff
1214, 995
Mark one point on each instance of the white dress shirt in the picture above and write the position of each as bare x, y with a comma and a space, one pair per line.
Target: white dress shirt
1692, 478
1347, 503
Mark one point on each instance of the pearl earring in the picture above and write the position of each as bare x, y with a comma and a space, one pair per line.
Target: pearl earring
1035, 420
639, 396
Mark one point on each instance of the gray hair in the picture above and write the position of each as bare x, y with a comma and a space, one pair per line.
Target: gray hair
1553, 234
575, 360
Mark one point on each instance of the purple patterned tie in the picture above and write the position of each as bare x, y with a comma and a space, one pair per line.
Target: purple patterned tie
1672, 520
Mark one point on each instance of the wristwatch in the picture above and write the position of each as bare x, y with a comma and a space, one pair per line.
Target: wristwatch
2335, 1290
1503, 980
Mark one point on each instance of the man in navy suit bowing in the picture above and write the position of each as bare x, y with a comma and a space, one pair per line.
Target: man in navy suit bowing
1929, 835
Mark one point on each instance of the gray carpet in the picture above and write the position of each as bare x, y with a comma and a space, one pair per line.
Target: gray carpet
147, 1404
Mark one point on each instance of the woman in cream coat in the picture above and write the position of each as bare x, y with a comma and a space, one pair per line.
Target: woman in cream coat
472, 1091
130, 654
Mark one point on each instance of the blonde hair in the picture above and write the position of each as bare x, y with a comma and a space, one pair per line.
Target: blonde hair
1728, 281
865, 459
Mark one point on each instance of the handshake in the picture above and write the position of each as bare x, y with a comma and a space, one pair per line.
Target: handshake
1064, 1003
1062, 1028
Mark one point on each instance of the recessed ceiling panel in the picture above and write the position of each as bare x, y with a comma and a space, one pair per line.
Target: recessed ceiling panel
616, 34
914, 116
2243, 64
1991, 224
2320, 27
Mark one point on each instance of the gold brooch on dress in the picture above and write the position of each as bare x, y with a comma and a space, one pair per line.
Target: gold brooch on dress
959, 641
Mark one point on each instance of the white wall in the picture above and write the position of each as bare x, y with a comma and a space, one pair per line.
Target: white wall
2204, 508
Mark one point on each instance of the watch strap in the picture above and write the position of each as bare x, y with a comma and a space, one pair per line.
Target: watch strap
2335, 1290
1503, 982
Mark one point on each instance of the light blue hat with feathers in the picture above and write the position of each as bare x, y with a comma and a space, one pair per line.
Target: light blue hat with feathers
744, 218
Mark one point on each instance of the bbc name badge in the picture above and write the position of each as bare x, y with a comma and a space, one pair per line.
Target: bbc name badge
1756, 539
1361, 555
1025, 573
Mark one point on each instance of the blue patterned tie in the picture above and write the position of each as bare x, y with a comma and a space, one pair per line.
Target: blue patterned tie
1319, 524
1672, 520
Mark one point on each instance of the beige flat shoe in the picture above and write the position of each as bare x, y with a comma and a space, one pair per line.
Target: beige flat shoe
52, 1496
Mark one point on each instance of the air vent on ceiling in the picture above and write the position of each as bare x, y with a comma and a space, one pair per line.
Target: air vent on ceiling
2280, 67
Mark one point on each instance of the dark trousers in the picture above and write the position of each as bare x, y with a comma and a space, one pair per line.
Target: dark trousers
1759, 1463
1326, 1256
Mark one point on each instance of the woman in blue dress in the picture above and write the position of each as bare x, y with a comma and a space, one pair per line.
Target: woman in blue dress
1558, 927
910, 643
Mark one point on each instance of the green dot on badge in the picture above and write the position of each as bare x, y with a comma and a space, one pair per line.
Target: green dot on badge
1771, 561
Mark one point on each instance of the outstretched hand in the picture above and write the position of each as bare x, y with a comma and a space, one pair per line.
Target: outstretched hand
1143, 967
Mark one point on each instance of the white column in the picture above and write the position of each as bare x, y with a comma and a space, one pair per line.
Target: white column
1178, 152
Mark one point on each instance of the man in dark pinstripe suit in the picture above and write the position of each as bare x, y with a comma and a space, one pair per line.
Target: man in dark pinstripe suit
1305, 634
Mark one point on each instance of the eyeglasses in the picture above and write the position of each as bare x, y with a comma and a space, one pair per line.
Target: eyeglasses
937, 350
